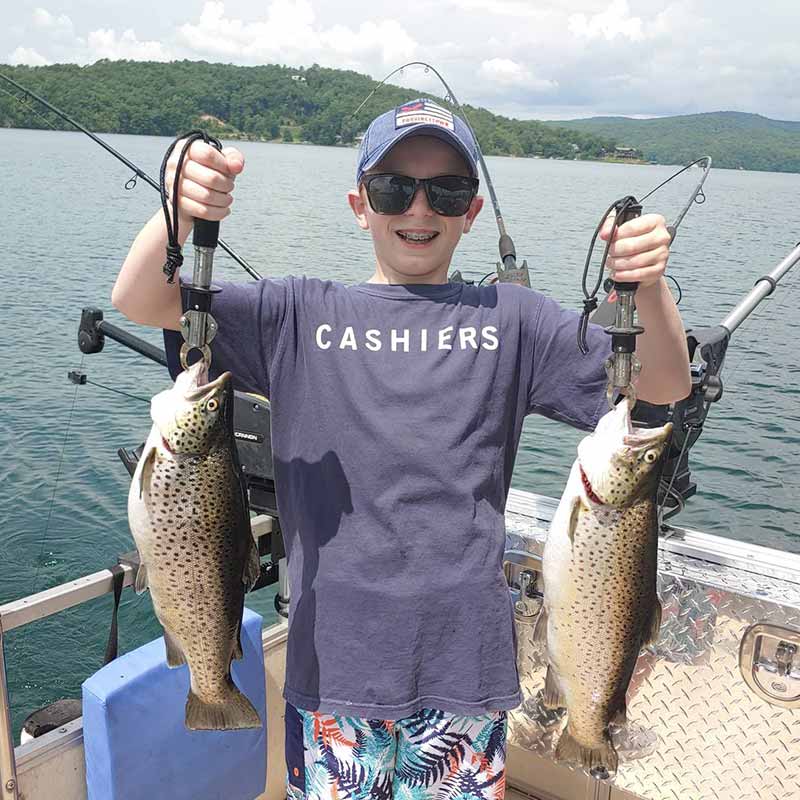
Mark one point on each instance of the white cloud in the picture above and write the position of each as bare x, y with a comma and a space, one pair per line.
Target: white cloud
506, 8
27, 56
104, 43
522, 57
61, 24
614, 21
505, 72
386, 39
290, 33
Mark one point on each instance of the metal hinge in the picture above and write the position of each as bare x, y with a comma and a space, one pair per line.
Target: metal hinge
523, 573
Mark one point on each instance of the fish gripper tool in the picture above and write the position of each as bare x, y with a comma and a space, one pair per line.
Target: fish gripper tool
198, 326
622, 366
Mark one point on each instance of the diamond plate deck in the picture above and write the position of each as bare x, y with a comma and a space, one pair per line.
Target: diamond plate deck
695, 730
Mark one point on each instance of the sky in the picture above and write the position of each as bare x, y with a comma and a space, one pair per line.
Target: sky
538, 59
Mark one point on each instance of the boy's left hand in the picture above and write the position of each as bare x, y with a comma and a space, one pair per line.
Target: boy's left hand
640, 249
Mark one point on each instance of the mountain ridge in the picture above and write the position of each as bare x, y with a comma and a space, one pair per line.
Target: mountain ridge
315, 104
733, 139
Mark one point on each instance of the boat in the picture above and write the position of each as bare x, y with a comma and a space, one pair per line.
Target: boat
713, 706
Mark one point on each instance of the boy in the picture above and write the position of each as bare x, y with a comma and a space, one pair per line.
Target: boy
397, 406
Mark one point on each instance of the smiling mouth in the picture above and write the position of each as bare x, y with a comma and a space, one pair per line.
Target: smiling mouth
417, 238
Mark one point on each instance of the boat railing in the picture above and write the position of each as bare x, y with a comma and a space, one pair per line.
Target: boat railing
43, 604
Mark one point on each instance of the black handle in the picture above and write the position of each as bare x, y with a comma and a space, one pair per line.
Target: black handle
205, 233
627, 209
507, 248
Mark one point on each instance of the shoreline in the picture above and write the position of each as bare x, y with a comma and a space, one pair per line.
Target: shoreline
260, 140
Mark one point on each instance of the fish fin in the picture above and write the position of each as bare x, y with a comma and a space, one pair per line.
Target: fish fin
140, 582
653, 626
237, 647
252, 565
569, 749
146, 474
573, 518
175, 656
235, 712
540, 628
553, 696
620, 717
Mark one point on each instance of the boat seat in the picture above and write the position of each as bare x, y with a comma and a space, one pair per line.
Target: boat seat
135, 741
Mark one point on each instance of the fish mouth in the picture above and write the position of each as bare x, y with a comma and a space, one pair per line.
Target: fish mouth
198, 390
638, 438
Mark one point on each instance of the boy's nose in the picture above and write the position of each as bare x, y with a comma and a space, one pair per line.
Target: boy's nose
419, 203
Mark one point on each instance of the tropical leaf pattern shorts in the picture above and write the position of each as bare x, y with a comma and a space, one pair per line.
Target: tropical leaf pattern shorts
429, 755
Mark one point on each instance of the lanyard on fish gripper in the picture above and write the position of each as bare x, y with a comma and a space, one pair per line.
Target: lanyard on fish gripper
198, 327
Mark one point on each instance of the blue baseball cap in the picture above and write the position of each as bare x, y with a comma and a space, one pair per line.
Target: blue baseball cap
410, 119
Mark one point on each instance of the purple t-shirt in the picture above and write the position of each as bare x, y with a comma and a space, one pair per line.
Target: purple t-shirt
396, 416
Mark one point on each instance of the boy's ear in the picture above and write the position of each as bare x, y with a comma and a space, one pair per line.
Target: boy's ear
474, 209
359, 205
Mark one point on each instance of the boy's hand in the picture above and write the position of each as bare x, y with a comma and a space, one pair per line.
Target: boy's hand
640, 249
207, 180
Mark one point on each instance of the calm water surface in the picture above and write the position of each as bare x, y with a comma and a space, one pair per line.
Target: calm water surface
66, 226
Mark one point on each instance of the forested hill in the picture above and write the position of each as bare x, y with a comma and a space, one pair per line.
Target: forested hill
266, 102
731, 138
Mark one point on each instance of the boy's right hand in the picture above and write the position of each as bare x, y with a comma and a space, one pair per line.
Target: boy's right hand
207, 180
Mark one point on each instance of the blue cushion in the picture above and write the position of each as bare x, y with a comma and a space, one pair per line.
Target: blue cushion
136, 743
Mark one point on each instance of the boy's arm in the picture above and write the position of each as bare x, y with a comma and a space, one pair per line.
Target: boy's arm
639, 254
141, 291
661, 349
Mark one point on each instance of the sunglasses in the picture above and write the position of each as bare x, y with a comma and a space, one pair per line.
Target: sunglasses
448, 195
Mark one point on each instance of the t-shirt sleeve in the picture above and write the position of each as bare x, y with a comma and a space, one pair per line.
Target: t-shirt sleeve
565, 384
251, 318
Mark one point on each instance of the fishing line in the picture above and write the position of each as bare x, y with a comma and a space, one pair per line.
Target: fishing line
680, 504
622, 208
55, 486
30, 108
698, 197
118, 391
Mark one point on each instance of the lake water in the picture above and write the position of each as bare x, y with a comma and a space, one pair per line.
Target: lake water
67, 223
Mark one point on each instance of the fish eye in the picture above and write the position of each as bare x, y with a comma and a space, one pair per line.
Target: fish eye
650, 456
213, 404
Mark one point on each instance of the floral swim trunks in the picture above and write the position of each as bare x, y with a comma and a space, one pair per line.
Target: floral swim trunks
428, 755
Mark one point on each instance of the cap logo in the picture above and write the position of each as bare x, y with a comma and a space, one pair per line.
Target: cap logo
423, 112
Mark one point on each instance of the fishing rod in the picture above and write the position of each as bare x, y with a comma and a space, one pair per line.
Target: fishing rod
138, 173
708, 348
507, 268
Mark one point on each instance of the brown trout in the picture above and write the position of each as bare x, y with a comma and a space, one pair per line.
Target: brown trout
600, 569
188, 513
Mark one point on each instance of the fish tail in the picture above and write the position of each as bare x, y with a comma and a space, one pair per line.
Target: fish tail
569, 749
234, 712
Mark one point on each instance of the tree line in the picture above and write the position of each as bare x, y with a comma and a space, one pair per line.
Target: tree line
269, 103
733, 139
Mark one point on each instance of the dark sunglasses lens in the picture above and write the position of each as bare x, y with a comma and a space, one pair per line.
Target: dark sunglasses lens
450, 195
390, 194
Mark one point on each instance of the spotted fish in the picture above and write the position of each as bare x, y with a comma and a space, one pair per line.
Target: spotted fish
188, 513
600, 569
